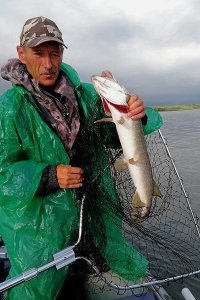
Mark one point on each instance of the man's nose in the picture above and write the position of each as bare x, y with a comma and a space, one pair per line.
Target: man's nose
47, 62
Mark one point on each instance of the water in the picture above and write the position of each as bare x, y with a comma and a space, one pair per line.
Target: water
181, 130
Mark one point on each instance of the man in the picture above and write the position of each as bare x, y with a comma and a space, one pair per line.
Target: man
50, 150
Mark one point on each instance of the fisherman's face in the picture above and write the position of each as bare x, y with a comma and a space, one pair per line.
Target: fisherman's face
42, 62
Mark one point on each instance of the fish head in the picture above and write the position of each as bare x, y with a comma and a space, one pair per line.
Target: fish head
110, 90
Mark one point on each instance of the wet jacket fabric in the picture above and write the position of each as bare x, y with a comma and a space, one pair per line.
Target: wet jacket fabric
35, 227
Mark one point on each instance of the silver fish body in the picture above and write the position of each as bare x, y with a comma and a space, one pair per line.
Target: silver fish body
133, 144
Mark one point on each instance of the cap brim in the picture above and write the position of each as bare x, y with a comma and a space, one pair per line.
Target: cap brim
40, 40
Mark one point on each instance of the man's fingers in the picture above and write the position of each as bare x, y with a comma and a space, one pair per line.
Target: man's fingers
76, 170
69, 169
69, 177
67, 185
136, 108
138, 116
107, 73
70, 183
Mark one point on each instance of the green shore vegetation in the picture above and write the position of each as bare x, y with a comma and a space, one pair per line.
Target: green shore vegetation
176, 107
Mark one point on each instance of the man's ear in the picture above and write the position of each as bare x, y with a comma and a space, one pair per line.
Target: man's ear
21, 54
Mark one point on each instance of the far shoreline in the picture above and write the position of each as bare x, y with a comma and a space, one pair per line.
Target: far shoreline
176, 107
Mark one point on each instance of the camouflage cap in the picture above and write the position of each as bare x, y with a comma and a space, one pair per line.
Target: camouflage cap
39, 30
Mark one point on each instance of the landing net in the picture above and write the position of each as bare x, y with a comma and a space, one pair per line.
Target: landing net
110, 250
167, 243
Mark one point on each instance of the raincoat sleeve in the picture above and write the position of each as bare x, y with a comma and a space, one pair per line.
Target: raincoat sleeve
154, 121
49, 181
19, 176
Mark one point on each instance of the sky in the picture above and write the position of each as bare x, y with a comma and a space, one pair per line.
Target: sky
151, 46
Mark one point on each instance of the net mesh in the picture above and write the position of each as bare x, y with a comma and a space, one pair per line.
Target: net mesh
163, 247
113, 250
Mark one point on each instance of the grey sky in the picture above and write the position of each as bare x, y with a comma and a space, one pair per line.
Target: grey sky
151, 46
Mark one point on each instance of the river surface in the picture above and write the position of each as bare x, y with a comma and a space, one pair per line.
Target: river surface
181, 130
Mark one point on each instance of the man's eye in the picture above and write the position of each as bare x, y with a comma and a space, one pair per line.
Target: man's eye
55, 54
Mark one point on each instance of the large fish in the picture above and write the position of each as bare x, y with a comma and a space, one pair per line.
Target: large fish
115, 98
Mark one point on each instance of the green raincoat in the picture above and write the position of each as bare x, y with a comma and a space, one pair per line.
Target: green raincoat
36, 227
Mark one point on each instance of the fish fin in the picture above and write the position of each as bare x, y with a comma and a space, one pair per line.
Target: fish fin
121, 120
104, 120
156, 190
136, 202
120, 165
132, 161
140, 210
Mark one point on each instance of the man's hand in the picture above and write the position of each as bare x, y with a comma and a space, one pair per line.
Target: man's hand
136, 108
69, 177
107, 73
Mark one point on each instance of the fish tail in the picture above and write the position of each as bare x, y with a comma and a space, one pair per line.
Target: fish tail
137, 204
141, 210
